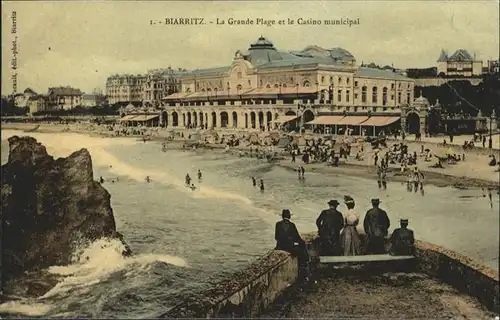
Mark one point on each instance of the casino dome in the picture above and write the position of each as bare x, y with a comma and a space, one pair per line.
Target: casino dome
262, 51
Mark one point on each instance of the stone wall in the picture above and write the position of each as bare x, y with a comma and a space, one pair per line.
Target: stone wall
246, 294
460, 272
249, 292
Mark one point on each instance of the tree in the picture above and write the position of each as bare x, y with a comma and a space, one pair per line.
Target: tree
460, 96
8, 107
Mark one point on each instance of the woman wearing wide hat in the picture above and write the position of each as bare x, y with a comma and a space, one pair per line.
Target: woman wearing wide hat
349, 237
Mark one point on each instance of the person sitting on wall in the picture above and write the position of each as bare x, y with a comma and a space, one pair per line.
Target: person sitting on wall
288, 239
402, 240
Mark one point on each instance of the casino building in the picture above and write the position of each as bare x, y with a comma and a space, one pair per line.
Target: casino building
315, 88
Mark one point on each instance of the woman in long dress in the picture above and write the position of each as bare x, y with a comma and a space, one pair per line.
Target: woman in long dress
349, 236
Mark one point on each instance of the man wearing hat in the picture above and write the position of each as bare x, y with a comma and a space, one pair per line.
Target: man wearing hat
288, 239
286, 233
402, 240
329, 223
376, 225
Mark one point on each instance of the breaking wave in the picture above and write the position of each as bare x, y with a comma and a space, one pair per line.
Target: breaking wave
90, 265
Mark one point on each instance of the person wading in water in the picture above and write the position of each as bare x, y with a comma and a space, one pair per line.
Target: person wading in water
288, 239
329, 223
261, 185
199, 175
188, 180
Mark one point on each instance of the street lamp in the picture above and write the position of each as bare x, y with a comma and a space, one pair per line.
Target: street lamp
492, 117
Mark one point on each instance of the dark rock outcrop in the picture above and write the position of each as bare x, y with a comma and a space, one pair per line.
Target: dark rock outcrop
49, 207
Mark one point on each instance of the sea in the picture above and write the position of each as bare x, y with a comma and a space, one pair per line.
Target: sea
184, 241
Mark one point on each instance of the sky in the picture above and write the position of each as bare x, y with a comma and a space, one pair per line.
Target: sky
81, 43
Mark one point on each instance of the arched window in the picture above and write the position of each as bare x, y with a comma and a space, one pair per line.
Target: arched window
276, 85
322, 80
340, 80
261, 83
306, 84
239, 87
374, 94
331, 80
284, 85
384, 96
203, 90
363, 94
268, 86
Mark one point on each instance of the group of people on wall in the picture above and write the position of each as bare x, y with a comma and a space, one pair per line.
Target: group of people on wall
338, 233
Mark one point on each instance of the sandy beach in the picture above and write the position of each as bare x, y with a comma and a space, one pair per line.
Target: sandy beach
474, 172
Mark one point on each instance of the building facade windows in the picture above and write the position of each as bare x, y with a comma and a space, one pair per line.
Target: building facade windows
374, 94
363, 94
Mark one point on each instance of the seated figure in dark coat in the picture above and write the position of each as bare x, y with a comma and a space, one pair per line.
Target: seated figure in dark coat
402, 240
288, 239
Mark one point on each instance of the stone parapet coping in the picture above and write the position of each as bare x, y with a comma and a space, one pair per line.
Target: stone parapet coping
246, 293
250, 291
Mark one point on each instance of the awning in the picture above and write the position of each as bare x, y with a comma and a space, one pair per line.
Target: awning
285, 119
293, 90
380, 121
326, 120
199, 95
277, 91
262, 91
213, 95
144, 117
127, 118
177, 96
352, 120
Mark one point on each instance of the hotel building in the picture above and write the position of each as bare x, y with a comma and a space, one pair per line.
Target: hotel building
461, 63
265, 88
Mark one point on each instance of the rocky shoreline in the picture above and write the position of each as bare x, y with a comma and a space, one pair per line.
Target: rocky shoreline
50, 207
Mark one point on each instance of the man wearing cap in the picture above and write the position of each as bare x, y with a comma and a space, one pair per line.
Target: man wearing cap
288, 239
376, 224
402, 240
329, 223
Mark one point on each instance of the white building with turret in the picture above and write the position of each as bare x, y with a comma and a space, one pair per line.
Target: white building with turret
460, 63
